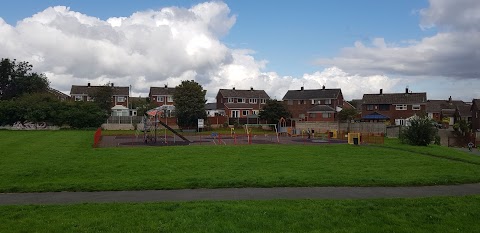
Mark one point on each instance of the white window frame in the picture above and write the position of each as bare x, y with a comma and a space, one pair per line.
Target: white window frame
78, 98
253, 101
313, 101
400, 121
255, 112
241, 100
416, 107
90, 99
170, 98
326, 115
160, 99
230, 100
245, 112
401, 107
328, 101
235, 113
263, 101
120, 98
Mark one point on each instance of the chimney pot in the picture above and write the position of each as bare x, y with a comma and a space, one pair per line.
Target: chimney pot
251, 88
450, 99
301, 88
381, 91
112, 84
88, 84
166, 85
323, 87
406, 90
233, 88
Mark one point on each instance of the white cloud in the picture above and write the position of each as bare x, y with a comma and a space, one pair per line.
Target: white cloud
454, 52
153, 48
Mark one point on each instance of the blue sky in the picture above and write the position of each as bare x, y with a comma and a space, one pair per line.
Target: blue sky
382, 44
289, 34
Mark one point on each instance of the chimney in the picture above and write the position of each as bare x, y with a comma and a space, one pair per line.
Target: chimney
112, 84
323, 87
88, 85
301, 88
381, 91
406, 90
233, 88
450, 99
166, 85
251, 88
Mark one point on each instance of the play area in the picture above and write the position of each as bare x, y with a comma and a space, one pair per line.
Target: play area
153, 131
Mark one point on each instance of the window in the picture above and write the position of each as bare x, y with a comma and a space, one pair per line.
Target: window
153, 98
240, 100
160, 99
235, 113
329, 101
263, 101
399, 121
401, 107
326, 115
301, 116
253, 101
78, 98
369, 107
255, 112
89, 98
312, 115
416, 107
120, 98
230, 100
245, 112
301, 102
170, 98
290, 102
384, 107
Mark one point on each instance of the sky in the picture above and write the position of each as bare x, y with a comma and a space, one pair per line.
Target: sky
361, 47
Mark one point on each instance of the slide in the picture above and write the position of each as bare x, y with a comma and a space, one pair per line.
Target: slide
173, 131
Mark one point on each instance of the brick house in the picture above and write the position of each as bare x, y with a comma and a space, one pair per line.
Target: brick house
394, 108
241, 103
162, 95
58, 94
446, 109
120, 97
475, 110
314, 104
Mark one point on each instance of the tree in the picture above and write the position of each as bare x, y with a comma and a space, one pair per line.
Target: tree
17, 79
347, 114
273, 111
190, 102
420, 132
103, 97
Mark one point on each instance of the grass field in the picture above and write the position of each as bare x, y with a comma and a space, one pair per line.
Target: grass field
65, 161
445, 214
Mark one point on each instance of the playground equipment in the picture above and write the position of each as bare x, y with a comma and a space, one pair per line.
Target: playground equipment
248, 130
151, 122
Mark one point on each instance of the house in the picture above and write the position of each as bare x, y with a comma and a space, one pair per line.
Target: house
314, 104
162, 95
463, 112
439, 110
394, 108
241, 103
120, 97
211, 110
475, 110
58, 94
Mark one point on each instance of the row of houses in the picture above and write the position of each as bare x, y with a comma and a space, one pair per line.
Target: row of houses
306, 104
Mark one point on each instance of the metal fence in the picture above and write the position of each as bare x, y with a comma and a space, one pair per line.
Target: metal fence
124, 120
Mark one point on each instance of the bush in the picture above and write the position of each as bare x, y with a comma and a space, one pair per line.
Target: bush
420, 132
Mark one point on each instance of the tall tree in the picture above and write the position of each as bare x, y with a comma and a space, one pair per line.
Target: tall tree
103, 97
17, 79
190, 102
273, 111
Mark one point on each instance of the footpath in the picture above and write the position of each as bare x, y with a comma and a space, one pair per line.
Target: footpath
238, 194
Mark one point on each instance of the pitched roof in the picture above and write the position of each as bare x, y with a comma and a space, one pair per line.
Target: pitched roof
464, 110
90, 90
312, 94
395, 98
226, 93
439, 105
58, 93
210, 106
162, 91
321, 108
476, 102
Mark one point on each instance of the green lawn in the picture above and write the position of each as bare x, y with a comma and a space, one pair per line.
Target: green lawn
445, 214
65, 161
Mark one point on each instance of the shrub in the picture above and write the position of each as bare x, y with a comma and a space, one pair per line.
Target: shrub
420, 132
